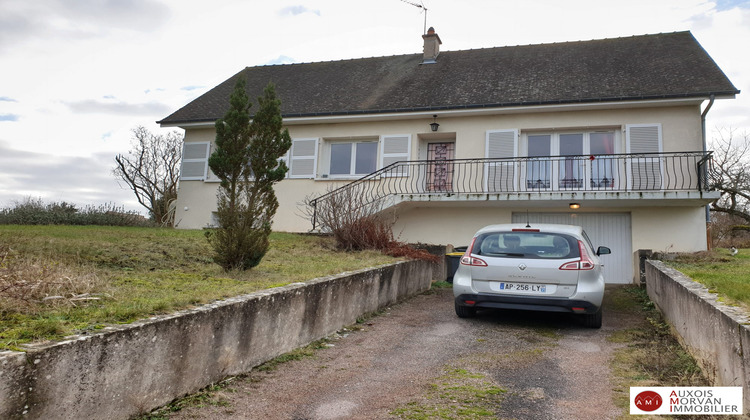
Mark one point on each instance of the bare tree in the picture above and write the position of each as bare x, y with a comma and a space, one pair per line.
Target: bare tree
732, 162
152, 170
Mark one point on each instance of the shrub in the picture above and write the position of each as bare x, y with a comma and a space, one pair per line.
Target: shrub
32, 211
356, 225
247, 160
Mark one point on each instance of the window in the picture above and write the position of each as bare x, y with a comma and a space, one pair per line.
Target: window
538, 170
602, 169
194, 161
530, 245
585, 160
353, 158
571, 172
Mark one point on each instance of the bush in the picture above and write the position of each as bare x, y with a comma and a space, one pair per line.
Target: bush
32, 211
357, 226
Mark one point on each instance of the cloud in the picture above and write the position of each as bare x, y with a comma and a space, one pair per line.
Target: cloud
297, 10
140, 15
118, 108
7, 99
23, 21
189, 88
8, 117
79, 180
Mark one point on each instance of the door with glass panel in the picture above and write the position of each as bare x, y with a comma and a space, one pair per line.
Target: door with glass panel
603, 165
440, 167
571, 164
539, 165
581, 161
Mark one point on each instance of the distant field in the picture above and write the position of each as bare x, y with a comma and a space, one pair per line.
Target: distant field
721, 273
55, 280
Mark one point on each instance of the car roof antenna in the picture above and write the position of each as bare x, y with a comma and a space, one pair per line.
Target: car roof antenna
527, 219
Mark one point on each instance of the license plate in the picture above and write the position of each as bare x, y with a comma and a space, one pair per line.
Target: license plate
523, 287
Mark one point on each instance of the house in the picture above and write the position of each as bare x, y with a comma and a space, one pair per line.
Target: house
608, 134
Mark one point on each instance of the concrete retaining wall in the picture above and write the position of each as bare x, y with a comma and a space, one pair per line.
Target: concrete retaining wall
132, 369
715, 334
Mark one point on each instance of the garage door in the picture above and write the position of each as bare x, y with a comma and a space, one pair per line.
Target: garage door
608, 229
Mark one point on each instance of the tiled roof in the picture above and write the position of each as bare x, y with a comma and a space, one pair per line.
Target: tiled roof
658, 66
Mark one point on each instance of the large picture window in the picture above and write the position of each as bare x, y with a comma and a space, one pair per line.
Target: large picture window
353, 158
583, 161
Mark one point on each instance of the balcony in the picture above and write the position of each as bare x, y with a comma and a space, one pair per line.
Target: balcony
601, 177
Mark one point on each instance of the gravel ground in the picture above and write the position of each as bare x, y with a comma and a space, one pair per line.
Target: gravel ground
419, 357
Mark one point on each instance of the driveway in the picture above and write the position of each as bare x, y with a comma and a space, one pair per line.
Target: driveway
418, 360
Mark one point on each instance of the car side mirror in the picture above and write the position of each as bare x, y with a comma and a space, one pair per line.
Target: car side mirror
603, 250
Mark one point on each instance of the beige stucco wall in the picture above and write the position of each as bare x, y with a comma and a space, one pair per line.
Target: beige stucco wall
197, 199
676, 228
447, 225
673, 229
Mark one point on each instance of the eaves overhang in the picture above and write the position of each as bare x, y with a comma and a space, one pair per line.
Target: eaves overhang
477, 109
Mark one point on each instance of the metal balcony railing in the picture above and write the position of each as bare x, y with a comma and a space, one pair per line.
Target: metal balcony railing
679, 171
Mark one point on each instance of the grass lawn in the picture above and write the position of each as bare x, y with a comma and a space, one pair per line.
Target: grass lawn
721, 273
57, 280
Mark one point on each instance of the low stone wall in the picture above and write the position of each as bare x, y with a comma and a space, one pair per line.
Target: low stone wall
128, 370
715, 334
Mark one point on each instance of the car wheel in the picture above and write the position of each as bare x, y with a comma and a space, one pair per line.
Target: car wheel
465, 311
593, 320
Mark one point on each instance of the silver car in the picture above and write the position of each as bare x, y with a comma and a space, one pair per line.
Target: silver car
541, 268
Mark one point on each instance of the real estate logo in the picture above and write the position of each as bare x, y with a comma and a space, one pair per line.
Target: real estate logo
686, 400
648, 401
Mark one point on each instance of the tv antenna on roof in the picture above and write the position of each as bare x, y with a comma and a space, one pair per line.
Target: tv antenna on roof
421, 6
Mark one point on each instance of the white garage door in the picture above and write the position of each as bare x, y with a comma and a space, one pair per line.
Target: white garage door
605, 229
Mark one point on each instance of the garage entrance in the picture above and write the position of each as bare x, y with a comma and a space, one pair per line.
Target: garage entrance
612, 230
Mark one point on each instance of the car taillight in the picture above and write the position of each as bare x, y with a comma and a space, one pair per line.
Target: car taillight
584, 263
473, 261
467, 259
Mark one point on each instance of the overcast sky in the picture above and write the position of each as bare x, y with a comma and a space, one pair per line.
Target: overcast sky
76, 76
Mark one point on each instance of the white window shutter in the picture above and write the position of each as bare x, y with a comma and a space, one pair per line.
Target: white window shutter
194, 161
395, 148
502, 144
645, 167
642, 138
303, 158
501, 175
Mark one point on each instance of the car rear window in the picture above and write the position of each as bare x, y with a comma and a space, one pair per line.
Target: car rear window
526, 245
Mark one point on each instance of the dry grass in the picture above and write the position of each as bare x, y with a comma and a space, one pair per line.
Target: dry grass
58, 280
29, 284
650, 356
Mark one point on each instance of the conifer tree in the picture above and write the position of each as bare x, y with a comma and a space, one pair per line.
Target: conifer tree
247, 161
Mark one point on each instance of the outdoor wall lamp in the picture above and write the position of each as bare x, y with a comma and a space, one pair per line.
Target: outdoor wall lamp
575, 206
434, 125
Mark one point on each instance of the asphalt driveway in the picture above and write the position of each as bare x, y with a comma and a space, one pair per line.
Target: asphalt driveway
418, 360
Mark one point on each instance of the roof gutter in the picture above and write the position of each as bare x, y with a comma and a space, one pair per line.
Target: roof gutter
455, 111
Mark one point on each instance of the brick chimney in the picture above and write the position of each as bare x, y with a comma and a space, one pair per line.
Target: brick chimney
431, 46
